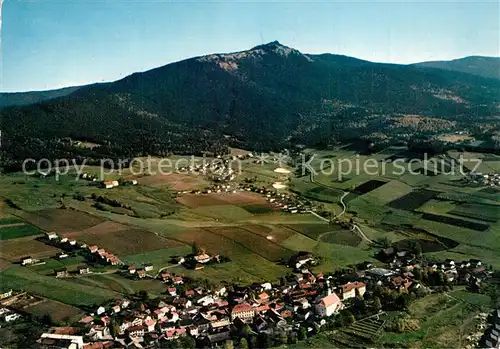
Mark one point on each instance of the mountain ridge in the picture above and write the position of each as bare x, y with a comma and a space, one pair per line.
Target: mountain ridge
264, 98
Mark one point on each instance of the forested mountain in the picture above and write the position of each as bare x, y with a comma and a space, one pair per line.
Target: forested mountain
488, 67
8, 99
263, 98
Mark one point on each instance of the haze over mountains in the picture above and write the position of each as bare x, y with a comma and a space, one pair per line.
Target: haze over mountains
261, 98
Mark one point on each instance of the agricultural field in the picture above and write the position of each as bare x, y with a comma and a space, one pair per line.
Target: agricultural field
121, 239
13, 250
62, 290
243, 226
60, 221
314, 231
488, 213
258, 244
413, 200
159, 258
174, 181
59, 312
17, 230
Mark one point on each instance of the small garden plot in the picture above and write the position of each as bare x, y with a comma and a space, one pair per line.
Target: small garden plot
341, 237
312, 230
17, 230
368, 329
488, 213
456, 222
257, 244
60, 220
368, 186
413, 200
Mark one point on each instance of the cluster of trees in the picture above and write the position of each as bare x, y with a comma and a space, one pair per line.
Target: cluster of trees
99, 200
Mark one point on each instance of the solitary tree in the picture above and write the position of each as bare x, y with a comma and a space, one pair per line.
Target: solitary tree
194, 248
377, 304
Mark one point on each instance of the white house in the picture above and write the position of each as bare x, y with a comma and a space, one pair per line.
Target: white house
329, 305
9, 317
51, 236
349, 290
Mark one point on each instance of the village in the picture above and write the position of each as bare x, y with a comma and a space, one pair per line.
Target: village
195, 314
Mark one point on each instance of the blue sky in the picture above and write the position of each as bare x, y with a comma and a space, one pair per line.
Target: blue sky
55, 43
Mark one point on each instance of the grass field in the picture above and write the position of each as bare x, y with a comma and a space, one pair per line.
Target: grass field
64, 291
14, 249
17, 230
60, 221
120, 239
487, 213
59, 312
445, 321
159, 258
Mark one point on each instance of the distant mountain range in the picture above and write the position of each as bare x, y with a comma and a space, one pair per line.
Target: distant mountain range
263, 98
488, 67
27, 98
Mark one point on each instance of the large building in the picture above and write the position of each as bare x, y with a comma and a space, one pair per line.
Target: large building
329, 305
245, 312
350, 290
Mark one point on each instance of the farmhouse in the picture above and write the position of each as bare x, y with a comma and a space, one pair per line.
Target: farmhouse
51, 236
202, 258
110, 184
148, 267
5, 293
131, 269
60, 273
62, 255
27, 260
83, 269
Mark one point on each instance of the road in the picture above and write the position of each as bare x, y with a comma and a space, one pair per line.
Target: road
344, 207
358, 230
165, 268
